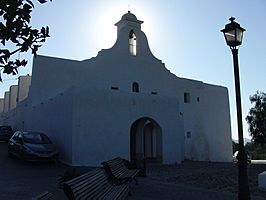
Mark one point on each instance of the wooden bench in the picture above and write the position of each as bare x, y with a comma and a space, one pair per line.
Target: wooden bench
94, 184
262, 181
44, 196
118, 171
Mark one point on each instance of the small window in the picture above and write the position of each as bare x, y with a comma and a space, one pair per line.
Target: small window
186, 97
188, 135
198, 99
114, 88
153, 92
132, 43
135, 87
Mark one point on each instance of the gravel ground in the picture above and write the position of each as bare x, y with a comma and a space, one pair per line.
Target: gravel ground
208, 175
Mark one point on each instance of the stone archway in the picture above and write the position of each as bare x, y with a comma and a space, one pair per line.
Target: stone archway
145, 141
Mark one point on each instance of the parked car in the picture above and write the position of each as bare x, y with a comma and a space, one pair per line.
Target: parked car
6, 133
32, 146
235, 157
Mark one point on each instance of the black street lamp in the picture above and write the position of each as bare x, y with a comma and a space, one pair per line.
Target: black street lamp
233, 34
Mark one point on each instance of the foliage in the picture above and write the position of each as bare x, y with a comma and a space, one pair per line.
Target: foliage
256, 151
257, 118
235, 146
17, 34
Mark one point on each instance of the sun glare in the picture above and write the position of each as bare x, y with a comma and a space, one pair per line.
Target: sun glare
106, 31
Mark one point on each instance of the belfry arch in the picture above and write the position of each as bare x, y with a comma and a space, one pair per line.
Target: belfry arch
145, 141
132, 43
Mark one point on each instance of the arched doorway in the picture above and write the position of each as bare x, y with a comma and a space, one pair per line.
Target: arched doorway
145, 141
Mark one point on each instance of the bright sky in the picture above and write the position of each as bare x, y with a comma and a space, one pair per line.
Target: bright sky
185, 35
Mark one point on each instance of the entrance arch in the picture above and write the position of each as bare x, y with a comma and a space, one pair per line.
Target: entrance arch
145, 141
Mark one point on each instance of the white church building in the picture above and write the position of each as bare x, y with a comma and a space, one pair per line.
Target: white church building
124, 102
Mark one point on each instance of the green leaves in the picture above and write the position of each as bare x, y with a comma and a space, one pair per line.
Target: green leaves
15, 16
29, 2
42, 1
257, 117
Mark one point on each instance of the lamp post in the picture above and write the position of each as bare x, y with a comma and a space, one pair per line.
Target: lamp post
233, 34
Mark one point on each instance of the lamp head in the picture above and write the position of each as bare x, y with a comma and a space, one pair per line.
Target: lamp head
233, 33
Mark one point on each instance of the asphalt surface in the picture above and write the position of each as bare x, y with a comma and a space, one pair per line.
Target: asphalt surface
21, 180
188, 181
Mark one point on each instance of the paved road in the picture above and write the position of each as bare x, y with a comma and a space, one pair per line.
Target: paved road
21, 181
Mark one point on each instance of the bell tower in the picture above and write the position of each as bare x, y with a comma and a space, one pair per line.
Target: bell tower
131, 40
130, 27
129, 20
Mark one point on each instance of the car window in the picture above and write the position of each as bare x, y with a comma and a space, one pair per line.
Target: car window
20, 136
36, 138
15, 136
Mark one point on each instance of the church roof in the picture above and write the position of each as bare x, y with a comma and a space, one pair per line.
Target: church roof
129, 16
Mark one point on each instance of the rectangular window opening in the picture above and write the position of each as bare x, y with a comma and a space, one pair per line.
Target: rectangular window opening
186, 97
114, 88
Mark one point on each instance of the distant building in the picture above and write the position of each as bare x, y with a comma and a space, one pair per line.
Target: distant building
23, 87
13, 91
124, 102
6, 102
2, 105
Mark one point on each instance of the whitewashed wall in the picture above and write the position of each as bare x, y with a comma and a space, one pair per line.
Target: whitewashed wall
102, 122
13, 91
23, 87
217, 123
2, 105
6, 102
51, 76
53, 117
207, 118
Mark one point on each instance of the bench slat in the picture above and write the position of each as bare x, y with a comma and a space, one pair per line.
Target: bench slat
44, 196
118, 171
94, 185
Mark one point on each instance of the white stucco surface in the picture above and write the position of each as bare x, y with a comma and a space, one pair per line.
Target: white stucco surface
53, 117
23, 87
6, 102
13, 97
102, 121
2, 105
